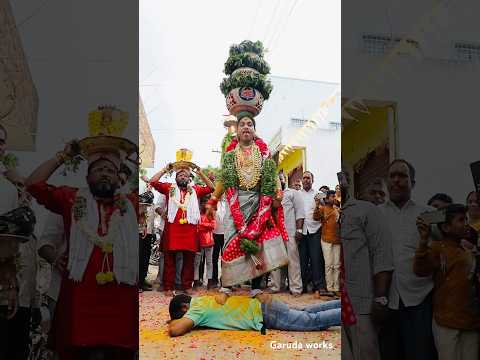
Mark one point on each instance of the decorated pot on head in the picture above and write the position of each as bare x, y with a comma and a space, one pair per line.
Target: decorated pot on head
106, 126
16, 226
183, 160
244, 99
246, 87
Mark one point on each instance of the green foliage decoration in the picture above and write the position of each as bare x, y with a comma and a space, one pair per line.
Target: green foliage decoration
250, 60
256, 81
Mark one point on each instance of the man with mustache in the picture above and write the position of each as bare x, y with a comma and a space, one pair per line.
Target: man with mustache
409, 333
183, 214
310, 249
97, 311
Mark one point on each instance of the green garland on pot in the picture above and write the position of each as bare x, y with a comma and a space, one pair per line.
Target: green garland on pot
229, 175
256, 81
250, 60
225, 142
247, 46
269, 178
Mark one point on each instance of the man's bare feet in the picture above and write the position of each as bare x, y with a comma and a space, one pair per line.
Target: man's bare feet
168, 293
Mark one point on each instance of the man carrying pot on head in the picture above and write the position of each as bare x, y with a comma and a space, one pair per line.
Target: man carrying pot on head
183, 215
99, 276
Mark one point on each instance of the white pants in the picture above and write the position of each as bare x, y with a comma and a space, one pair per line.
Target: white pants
360, 341
454, 344
294, 275
331, 255
207, 252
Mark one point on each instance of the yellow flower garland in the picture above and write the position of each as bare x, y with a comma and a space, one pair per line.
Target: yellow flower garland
182, 205
105, 243
248, 166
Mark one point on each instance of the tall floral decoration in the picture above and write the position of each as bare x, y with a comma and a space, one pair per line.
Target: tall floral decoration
245, 88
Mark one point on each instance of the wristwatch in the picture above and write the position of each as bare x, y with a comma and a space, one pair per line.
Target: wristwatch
382, 300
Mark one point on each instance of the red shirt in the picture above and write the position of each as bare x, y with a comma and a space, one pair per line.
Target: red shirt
205, 232
180, 237
89, 314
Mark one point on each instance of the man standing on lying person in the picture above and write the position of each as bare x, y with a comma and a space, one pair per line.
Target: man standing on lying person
100, 272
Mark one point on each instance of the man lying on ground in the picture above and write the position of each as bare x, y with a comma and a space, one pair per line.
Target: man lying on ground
261, 312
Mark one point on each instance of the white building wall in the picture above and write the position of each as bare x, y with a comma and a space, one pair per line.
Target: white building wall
436, 95
301, 99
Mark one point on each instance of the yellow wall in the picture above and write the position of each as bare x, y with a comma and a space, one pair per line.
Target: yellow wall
291, 161
359, 138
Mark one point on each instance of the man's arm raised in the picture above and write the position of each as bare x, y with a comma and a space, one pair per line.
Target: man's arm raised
44, 171
204, 177
155, 178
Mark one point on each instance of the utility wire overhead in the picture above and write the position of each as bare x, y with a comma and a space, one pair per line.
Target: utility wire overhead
35, 12
283, 28
271, 21
254, 22
155, 68
277, 24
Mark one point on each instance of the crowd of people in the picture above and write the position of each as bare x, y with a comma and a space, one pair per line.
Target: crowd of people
411, 274
283, 239
407, 273
313, 247
66, 271
244, 227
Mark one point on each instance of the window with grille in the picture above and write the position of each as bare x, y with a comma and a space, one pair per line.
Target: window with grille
334, 125
298, 122
467, 52
381, 44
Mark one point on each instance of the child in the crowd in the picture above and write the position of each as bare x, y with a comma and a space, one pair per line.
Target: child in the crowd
205, 236
456, 307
